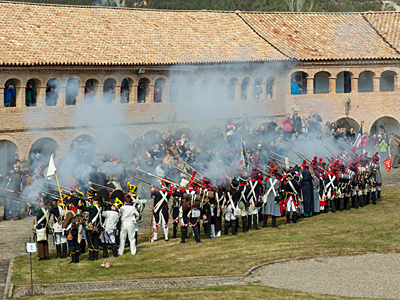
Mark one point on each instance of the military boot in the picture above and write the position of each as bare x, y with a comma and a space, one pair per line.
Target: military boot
114, 250
183, 234
373, 198
265, 220
274, 222
287, 218
105, 250
58, 249
64, 250
174, 230
244, 221
226, 227
234, 227
255, 222
196, 234
294, 217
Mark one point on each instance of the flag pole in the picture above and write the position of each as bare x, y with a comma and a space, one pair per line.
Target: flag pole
59, 190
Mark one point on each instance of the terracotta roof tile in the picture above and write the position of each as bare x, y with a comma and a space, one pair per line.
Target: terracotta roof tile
321, 36
387, 24
50, 34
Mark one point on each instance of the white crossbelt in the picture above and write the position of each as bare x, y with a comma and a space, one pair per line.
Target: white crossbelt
159, 203
272, 188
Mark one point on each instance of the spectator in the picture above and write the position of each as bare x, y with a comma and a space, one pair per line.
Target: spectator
9, 92
394, 151
257, 91
141, 93
295, 87
296, 122
271, 126
287, 126
30, 95
51, 96
383, 150
157, 94
230, 131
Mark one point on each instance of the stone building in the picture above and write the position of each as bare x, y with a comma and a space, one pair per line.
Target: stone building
199, 69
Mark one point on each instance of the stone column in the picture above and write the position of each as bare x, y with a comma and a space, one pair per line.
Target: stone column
20, 96
61, 96
99, 94
165, 94
2, 96
150, 93
133, 93
354, 84
80, 99
376, 83
40, 96
332, 85
117, 90
310, 85
238, 92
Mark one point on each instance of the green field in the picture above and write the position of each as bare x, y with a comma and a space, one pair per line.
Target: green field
374, 228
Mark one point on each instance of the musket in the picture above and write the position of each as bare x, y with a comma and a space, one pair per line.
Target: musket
301, 155
142, 180
280, 167
62, 187
15, 192
104, 187
259, 169
277, 155
159, 178
193, 168
14, 199
187, 174
331, 151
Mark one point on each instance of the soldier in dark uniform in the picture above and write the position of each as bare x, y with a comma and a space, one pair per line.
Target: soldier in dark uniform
71, 225
93, 228
243, 203
231, 204
206, 211
291, 189
57, 213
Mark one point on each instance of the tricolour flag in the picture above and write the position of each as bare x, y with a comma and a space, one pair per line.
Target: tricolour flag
51, 170
244, 159
388, 163
357, 142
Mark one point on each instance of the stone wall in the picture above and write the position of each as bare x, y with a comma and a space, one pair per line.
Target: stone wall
63, 123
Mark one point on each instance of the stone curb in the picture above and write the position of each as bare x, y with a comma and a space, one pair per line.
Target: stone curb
7, 288
140, 284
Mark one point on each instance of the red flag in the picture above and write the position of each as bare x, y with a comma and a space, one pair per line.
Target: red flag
388, 163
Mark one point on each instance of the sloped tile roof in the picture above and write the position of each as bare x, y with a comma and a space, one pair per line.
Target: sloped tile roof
321, 36
387, 24
32, 34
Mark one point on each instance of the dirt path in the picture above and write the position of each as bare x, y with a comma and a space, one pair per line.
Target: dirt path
367, 276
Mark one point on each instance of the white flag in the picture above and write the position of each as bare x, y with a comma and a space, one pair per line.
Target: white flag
51, 170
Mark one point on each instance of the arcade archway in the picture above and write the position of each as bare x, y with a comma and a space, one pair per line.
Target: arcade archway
388, 125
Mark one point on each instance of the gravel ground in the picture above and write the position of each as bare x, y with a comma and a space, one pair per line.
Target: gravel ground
368, 276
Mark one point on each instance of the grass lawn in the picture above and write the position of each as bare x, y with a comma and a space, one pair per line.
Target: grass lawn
220, 293
374, 228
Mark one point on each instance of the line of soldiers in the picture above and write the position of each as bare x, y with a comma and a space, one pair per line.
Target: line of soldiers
100, 217
108, 216
302, 190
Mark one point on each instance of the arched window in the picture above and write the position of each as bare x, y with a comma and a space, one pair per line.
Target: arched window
366, 82
231, 88
41, 151
206, 89
159, 86
7, 154
190, 89
71, 91
10, 92
109, 90
388, 125
142, 90
321, 83
218, 92
298, 83
125, 89
269, 86
31, 92
90, 91
174, 90
386, 82
343, 82
257, 92
244, 88
52, 90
